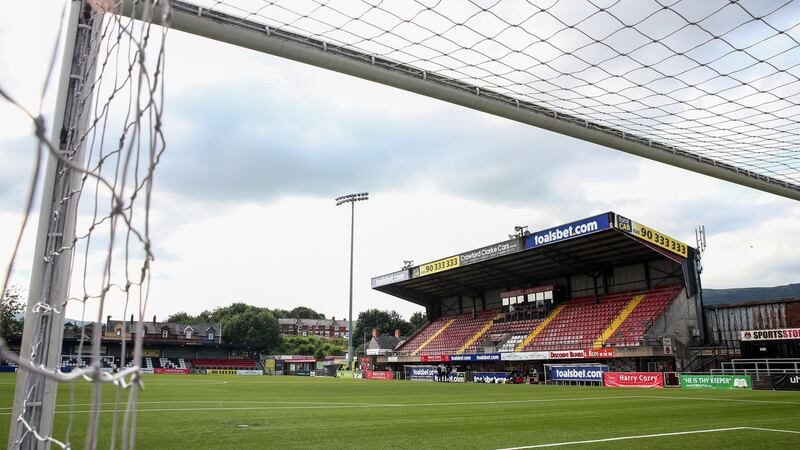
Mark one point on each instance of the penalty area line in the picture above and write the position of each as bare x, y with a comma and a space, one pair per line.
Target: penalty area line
648, 436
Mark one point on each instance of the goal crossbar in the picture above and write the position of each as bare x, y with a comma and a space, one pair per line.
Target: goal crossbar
223, 27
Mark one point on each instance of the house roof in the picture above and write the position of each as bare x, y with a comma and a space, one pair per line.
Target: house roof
387, 342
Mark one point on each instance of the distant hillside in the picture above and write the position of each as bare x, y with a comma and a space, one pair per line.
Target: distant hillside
754, 294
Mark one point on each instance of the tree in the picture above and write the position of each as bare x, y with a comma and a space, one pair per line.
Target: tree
182, 317
303, 312
418, 318
253, 328
12, 309
312, 345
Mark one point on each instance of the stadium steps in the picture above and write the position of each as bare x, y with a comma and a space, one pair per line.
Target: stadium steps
541, 327
479, 334
433, 336
615, 324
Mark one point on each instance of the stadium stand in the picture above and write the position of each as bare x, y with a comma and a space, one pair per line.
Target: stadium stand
416, 341
461, 328
619, 319
632, 331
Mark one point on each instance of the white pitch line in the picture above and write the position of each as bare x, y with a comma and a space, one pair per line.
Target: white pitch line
647, 436
342, 405
739, 400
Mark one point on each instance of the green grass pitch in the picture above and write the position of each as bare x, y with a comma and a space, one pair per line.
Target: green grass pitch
237, 412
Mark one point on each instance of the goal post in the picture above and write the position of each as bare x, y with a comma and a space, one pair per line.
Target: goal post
101, 149
35, 393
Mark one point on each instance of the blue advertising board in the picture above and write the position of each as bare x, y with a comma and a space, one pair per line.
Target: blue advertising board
422, 372
476, 357
568, 231
577, 373
490, 377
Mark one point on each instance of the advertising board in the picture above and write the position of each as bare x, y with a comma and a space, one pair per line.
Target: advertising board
378, 375
652, 236
249, 372
786, 382
390, 278
434, 358
716, 381
458, 377
475, 357
437, 266
162, 370
421, 373
568, 231
634, 379
592, 353
489, 252
490, 377
567, 354
146, 370
221, 371
8, 369
771, 335
577, 373
524, 356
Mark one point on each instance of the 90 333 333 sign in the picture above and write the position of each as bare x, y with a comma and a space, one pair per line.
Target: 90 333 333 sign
650, 235
440, 265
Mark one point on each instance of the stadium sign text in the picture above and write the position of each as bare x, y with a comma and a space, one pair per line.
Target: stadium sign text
524, 356
634, 379
771, 335
716, 381
437, 266
577, 373
476, 357
489, 252
568, 231
378, 375
434, 358
391, 278
567, 354
652, 236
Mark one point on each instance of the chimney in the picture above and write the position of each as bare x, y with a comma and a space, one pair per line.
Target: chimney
108, 319
375, 332
397, 333
154, 320
131, 318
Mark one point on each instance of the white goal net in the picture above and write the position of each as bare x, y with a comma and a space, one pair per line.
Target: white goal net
93, 168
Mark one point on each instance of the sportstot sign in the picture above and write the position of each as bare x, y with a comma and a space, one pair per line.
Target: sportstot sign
716, 381
771, 335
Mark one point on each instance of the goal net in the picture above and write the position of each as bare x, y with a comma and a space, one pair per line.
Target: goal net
93, 169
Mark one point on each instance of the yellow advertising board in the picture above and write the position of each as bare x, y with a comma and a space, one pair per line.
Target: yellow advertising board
652, 236
440, 265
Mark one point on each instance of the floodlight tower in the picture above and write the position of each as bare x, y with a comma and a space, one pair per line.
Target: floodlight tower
352, 199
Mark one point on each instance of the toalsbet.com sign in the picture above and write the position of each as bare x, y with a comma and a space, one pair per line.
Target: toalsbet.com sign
568, 231
390, 278
577, 373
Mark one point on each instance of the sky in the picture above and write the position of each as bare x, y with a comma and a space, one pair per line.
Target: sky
258, 147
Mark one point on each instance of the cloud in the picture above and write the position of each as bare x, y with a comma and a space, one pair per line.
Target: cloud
254, 145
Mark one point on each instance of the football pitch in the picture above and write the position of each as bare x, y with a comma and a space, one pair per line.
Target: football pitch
236, 412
